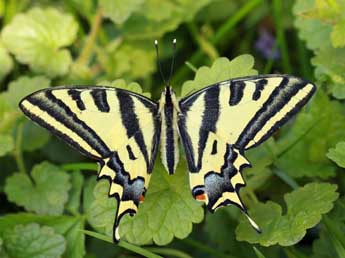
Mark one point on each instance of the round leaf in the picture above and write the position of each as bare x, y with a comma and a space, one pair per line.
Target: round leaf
36, 39
33, 241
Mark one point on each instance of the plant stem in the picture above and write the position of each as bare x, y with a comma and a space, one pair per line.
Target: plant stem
206, 249
80, 166
269, 64
191, 66
223, 31
18, 155
203, 44
304, 63
236, 18
86, 52
278, 14
168, 252
286, 178
128, 246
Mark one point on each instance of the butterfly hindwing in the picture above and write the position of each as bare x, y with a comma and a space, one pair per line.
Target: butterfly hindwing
118, 128
218, 123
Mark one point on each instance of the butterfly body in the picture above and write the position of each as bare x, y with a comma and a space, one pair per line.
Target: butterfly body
216, 125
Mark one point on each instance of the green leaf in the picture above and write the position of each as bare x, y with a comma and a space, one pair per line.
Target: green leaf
222, 69
338, 34
329, 62
119, 11
129, 59
154, 18
73, 203
304, 209
122, 84
6, 62
330, 241
219, 229
337, 154
37, 38
315, 131
102, 210
34, 136
6, 144
75, 239
315, 32
321, 25
168, 200
70, 227
89, 186
22, 87
45, 193
33, 241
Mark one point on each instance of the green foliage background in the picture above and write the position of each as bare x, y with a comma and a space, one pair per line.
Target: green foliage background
51, 205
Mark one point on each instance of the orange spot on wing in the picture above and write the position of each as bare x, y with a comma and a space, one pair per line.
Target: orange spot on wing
142, 198
200, 197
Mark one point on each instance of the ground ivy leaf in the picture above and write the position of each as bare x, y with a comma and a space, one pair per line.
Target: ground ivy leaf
338, 34
33, 241
153, 20
337, 154
119, 11
122, 84
22, 87
168, 200
219, 229
324, 246
317, 130
101, 213
130, 59
304, 209
315, 32
222, 69
37, 37
321, 25
34, 136
77, 181
89, 185
47, 194
6, 144
6, 62
68, 226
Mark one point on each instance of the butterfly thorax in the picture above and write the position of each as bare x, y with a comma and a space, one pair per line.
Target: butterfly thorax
169, 109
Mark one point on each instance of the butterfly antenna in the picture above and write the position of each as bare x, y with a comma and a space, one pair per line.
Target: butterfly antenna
173, 60
159, 64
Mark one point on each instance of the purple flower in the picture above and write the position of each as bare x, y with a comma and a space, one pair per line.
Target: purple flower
265, 45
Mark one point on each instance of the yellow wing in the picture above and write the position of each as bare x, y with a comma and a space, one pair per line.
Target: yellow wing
218, 123
118, 128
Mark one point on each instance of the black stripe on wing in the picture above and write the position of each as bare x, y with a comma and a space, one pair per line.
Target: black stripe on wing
131, 122
58, 110
99, 97
280, 96
75, 95
209, 119
236, 89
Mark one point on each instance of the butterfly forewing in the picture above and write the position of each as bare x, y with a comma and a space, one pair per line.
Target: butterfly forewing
218, 123
118, 128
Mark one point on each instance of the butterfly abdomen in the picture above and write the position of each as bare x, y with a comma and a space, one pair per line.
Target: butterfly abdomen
169, 134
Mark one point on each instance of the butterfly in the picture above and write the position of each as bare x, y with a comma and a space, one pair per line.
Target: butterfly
122, 131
